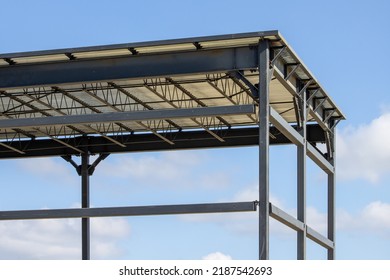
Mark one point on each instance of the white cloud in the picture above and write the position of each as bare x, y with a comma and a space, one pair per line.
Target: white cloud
161, 166
377, 215
175, 169
61, 238
48, 168
252, 193
317, 220
40, 239
109, 227
364, 152
373, 218
217, 256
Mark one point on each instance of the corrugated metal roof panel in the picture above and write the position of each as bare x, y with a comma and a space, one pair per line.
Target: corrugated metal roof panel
103, 53
40, 58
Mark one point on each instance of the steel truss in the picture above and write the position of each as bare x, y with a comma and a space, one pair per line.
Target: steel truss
220, 91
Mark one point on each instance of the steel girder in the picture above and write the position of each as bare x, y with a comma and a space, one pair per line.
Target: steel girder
142, 142
108, 69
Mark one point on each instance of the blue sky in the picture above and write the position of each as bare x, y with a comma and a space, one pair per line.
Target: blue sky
343, 43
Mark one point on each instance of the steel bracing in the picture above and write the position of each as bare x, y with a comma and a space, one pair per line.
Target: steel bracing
248, 89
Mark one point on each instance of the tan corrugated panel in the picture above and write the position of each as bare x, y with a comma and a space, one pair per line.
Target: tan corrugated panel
166, 48
103, 53
230, 42
3, 62
41, 58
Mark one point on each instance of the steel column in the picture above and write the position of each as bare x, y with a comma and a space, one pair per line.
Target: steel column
264, 65
301, 180
85, 234
332, 202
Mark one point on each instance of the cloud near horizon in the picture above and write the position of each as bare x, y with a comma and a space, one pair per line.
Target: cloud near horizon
61, 239
373, 218
217, 256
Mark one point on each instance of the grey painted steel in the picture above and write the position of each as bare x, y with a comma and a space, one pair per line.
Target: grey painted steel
279, 76
293, 223
331, 215
283, 126
332, 205
285, 218
264, 60
101, 157
319, 159
317, 117
114, 68
128, 116
301, 179
319, 238
287, 85
12, 148
85, 223
129, 211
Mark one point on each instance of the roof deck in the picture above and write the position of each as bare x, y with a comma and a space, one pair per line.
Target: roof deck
43, 92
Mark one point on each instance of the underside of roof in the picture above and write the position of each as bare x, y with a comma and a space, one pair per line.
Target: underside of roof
185, 93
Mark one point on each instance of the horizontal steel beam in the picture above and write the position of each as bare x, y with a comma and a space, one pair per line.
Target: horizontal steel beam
126, 67
290, 132
290, 221
134, 116
285, 218
319, 159
284, 127
287, 84
316, 116
129, 211
141, 142
319, 238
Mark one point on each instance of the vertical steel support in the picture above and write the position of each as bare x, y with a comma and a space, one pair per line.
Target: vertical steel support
85, 237
332, 200
301, 181
264, 78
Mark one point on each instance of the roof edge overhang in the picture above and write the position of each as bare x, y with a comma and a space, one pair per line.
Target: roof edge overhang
262, 34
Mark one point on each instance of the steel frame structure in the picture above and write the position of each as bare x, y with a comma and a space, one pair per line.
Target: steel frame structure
248, 89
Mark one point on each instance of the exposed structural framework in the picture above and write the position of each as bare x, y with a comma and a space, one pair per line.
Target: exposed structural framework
222, 91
